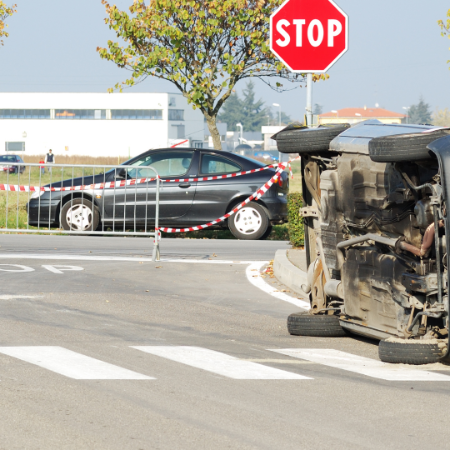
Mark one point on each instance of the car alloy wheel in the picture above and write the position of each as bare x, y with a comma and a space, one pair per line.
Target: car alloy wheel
80, 215
250, 222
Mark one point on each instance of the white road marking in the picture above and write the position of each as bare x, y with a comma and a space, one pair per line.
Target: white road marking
61, 257
21, 268
71, 364
361, 365
253, 275
14, 297
220, 363
252, 265
61, 269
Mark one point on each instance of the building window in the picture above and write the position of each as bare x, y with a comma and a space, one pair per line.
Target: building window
80, 114
24, 114
136, 114
176, 114
172, 101
15, 146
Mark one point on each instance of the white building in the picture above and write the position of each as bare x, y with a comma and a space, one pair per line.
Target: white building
268, 132
96, 124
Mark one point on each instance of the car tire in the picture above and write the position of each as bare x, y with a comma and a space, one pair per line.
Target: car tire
306, 324
267, 233
402, 351
79, 215
306, 140
404, 147
249, 223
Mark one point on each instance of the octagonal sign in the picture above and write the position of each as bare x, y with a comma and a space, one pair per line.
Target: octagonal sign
309, 36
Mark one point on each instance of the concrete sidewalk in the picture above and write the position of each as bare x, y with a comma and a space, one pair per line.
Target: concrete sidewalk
289, 267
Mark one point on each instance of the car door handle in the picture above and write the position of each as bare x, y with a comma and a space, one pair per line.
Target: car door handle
184, 185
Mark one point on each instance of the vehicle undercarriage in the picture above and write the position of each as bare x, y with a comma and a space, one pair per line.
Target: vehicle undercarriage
375, 237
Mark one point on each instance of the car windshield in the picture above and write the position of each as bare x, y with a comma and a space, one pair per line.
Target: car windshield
8, 158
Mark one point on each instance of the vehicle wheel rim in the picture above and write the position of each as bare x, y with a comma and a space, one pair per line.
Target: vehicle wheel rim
248, 221
79, 218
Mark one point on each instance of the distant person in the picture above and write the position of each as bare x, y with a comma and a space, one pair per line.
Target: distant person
42, 161
50, 159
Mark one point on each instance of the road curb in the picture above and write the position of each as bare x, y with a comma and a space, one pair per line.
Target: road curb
288, 274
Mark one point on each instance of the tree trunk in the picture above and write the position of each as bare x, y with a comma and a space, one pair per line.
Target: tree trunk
211, 121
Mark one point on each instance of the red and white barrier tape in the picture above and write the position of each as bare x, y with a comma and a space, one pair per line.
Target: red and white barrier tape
108, 185
255, 196
123, 183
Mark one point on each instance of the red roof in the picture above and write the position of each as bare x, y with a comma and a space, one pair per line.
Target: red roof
373, 113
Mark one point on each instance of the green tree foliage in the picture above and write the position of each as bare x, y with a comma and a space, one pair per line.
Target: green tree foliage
253, 111
285, 119
420, 113
318, 109
296, 227
5, 12
231, 113
203, 47
445, 26
441, 117
248, 111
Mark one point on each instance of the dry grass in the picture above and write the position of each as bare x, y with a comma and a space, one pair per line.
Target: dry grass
79, 160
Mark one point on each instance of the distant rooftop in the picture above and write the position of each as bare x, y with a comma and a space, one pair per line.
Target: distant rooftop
368, 113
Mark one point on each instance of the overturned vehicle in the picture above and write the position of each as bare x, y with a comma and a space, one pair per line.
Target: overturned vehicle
376, 204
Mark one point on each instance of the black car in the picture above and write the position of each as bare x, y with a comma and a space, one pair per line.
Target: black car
7, 164
182, 204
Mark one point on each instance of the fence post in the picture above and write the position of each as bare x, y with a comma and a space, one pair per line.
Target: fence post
156, 253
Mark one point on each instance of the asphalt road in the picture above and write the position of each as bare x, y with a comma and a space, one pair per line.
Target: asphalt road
84, 384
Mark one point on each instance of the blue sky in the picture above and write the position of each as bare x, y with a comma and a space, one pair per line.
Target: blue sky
396, 55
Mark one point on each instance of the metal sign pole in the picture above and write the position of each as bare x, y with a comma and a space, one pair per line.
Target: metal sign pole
156, 254
309, 114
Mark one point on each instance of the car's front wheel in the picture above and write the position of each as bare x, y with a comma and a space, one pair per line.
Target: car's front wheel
250, 222
80, 215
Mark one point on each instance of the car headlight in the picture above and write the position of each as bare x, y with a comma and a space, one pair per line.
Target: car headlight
37, 194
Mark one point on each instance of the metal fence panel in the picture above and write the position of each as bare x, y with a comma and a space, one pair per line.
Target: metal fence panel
79, 199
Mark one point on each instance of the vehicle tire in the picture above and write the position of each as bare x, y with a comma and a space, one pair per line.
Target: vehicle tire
80, 215
402, 351
267, 233
249, 223
306, 324
307, 140
404, 147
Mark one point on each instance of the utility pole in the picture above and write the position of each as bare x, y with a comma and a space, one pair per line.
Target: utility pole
309, 112
279, 113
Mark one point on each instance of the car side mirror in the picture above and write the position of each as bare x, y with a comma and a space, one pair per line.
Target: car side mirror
122, 174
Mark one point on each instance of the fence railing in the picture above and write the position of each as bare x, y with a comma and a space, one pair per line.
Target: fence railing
80, 199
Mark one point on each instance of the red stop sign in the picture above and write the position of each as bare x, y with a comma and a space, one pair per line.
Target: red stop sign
309, 36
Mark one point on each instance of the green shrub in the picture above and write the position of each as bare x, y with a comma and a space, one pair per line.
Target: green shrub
296, 230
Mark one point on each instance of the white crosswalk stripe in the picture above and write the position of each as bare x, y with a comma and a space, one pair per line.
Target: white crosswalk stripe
71, 364
81, 367
220, 363
361, 365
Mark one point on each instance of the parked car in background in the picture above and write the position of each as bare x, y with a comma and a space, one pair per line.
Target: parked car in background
182, 204
268, 155
7, 164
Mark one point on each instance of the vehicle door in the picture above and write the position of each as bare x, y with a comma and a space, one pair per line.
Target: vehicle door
212, 196
137, 203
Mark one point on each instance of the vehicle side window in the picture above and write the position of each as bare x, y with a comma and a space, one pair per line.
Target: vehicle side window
169, 163
212, 164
